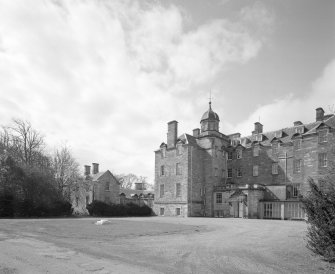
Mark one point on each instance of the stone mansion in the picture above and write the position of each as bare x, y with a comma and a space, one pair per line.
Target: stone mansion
261, 175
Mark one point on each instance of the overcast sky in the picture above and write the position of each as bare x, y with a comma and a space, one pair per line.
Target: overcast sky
105, 77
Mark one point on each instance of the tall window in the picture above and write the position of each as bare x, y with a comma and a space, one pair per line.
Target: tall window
178, 211
239, 153
179, 149
161, 191
223, 173
216, 151
163, 152
216, 172
230, 155
274, 168
161, 211
322, 136
275, 148
178, 169
297, 166
162, 170
255, 170
218, 198
255, 151
178, 190
322, 159
239, 172
297, 144
106, 186
296, 190
230, 172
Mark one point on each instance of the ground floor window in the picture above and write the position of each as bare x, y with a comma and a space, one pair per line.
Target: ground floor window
161, 211
218, 213
219, 198
177, 211
296, 190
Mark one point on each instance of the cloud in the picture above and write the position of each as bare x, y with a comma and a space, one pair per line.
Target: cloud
106, 76
284, 111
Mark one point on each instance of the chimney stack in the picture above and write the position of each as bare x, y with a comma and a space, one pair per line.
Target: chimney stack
320, 114
196, 132
87, 170
172, 134
95, 168
258, 128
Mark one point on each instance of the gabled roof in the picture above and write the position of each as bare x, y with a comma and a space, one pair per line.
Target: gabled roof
290, 132
97, 176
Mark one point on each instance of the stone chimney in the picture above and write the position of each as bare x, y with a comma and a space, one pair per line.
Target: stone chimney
258, 128
172, 134
196, 132
320, 114
95, 168
297, 123
87, 170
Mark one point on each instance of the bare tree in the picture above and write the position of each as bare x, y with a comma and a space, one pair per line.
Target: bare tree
66, 171
129, 180
26, 143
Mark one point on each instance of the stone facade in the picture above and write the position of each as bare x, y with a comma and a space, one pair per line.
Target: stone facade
217, 175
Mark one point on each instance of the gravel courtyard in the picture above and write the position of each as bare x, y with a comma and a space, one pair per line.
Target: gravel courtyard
155, 245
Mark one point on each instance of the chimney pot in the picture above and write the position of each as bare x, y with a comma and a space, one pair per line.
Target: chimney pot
258, 128
172, 134
196, 132
320, 114
95, 168
87, 170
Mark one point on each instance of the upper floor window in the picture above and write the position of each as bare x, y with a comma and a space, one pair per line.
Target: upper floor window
230, 173
322, 136
161, 191
178, 190
106, 186
239, 172
322, 159
230, 155
179, 149
274, 168
297, 166
255, 151
178, 169
163, 152
255, 170
162, 170
239, 153
297, 144
296, 190
216, 172
275, 148
218, 198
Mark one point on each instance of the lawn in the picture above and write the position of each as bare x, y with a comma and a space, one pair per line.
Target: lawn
156, 245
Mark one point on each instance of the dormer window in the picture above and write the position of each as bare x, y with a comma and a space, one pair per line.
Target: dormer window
323, 136
299, 130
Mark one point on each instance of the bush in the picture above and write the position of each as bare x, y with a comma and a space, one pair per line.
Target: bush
101, 209
320, 208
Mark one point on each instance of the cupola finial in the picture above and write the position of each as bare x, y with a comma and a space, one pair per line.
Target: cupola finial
210, 99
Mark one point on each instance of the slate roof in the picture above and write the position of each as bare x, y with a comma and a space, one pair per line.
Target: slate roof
96, 177
285, 135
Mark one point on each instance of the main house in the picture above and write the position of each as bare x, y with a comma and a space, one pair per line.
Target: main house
261, 175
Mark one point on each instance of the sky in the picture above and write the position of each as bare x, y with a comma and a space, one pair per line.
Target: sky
105, 77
